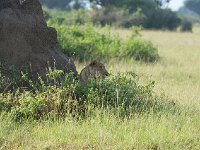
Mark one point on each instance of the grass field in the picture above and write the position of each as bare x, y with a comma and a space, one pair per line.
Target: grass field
176, 76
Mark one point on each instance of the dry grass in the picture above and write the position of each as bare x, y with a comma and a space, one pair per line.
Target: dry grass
176, 74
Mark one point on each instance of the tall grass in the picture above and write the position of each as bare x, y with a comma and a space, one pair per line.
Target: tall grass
177, 73
105, 131
177, 82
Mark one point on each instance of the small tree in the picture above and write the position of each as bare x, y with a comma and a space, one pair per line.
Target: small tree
186, 26
193, 5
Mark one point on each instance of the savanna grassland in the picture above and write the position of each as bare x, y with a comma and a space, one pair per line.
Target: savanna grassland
177, 73
176, 77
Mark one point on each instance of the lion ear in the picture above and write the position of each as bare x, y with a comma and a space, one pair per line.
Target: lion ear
94, 62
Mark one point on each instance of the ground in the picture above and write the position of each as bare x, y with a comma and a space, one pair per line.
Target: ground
176, 75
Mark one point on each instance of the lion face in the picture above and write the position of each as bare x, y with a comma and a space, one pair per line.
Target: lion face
97, 68
93, 70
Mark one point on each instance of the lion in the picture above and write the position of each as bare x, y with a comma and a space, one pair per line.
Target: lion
93, 70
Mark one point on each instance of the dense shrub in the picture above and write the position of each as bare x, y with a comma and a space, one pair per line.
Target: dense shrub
118, 17
69, 97
141, 50
85, 43
189, 15
135, 19
162, 19
9, 77
42, 100
119, 91
186, 26
148, 14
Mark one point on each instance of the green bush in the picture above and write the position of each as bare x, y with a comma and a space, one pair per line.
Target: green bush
162, 19
141, 50
119, 93
10, 77
43, 100
135, 19
85, 43
118, 17
147, 16
51, 102
186, 26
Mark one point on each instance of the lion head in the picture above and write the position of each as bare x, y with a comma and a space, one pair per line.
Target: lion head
93, 70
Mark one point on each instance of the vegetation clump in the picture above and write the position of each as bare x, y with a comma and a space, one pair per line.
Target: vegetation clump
65, 96
186, 26
141, 50
87, 43
149, 14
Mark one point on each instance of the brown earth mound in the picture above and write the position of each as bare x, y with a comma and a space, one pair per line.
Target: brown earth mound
26, 41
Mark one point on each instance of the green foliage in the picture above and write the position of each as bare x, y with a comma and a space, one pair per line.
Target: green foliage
136, 19
143, 13
141, 50
193, 5
186, 26
189, 15
43, 100
121, 17
85, 43
69, 97
132, 4
162, 19
52, 102
10, 77
77, 4
123, 95
118, 17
